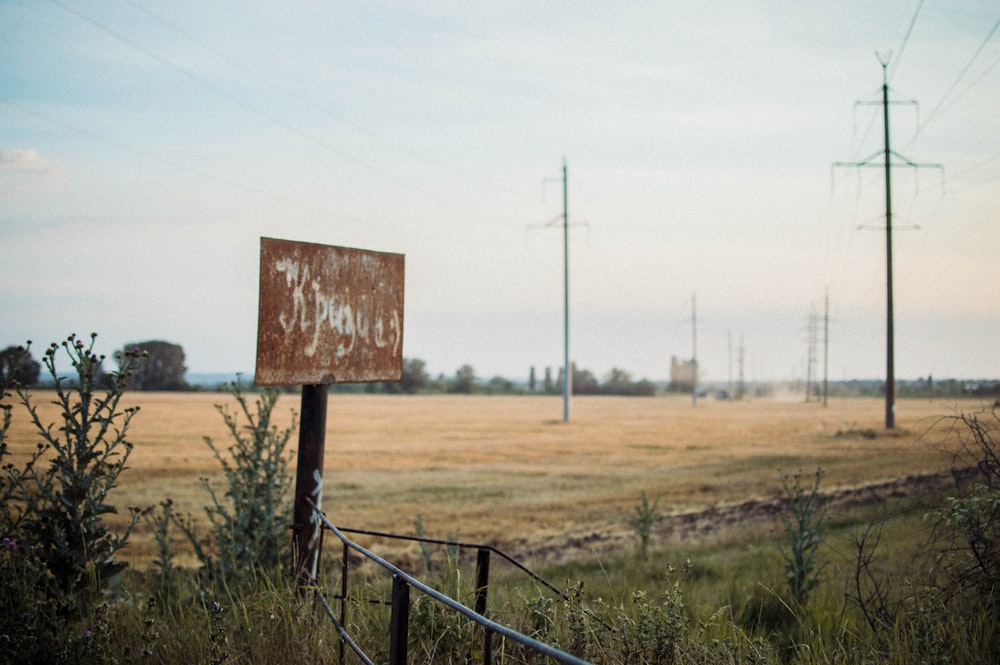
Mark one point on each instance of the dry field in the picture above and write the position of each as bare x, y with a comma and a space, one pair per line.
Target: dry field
508, 471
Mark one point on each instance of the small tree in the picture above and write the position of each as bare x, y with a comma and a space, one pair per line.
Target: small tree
164, 367
54, 506
584, 382
617, 382
17, 366
465, 380
413, 379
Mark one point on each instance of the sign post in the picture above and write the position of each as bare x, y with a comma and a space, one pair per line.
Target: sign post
309, 482
326, 315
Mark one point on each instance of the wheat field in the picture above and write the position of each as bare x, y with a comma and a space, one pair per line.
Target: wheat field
508, 471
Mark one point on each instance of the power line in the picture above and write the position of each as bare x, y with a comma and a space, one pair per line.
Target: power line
202, 174
292, 92
961, 75
906, 38
255, 109
127, 147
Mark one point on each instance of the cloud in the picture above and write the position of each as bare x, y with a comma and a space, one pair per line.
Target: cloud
23, 160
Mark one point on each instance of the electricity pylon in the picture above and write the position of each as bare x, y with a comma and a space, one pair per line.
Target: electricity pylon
811, 353
887, 164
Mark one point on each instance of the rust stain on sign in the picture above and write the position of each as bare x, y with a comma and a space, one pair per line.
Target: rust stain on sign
328, 315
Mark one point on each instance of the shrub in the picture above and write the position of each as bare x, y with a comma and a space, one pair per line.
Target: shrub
933, 609
27, 633
17, 365
651, 632
967, 526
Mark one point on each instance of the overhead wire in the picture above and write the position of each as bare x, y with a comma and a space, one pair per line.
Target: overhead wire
292, 92
906, 39
948, 100
183, 166
958, 79
859, 144
271, 117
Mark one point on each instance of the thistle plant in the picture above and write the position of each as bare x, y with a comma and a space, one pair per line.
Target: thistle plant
652, 630
56, 504
644, 517
163, 527
251, 522
804, 531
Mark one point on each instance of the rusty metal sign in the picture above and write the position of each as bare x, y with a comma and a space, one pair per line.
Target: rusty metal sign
328, 315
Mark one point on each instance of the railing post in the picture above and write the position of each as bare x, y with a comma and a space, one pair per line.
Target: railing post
399, 621
343, 596
482, 585
482, 578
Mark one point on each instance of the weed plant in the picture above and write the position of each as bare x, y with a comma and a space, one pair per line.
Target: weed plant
644, 517
250, 523
54, 506
804, 532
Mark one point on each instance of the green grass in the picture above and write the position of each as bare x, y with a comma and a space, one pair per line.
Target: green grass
737, 588
729, 605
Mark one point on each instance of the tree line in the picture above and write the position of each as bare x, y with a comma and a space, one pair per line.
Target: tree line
163, 368
416, 380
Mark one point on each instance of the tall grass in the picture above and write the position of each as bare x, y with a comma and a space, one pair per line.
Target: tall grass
727, 606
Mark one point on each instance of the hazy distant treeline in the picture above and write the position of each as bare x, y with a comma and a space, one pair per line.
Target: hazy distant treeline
163, 369
416, 380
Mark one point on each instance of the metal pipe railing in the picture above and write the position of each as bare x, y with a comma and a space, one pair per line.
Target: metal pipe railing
452, 543
402, 580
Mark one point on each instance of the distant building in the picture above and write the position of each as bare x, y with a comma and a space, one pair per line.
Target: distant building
681, 374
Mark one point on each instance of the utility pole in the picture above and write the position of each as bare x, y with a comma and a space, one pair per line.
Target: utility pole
729, 353
567, 373
694, 352
811, 354
887, 153
826, 344
741, 386
890, 351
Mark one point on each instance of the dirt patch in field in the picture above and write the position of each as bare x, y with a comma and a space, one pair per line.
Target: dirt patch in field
726, 522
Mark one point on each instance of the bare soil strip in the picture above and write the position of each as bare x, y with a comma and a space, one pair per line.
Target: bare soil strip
755, 516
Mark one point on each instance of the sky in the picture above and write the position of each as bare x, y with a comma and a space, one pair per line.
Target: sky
146, 147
